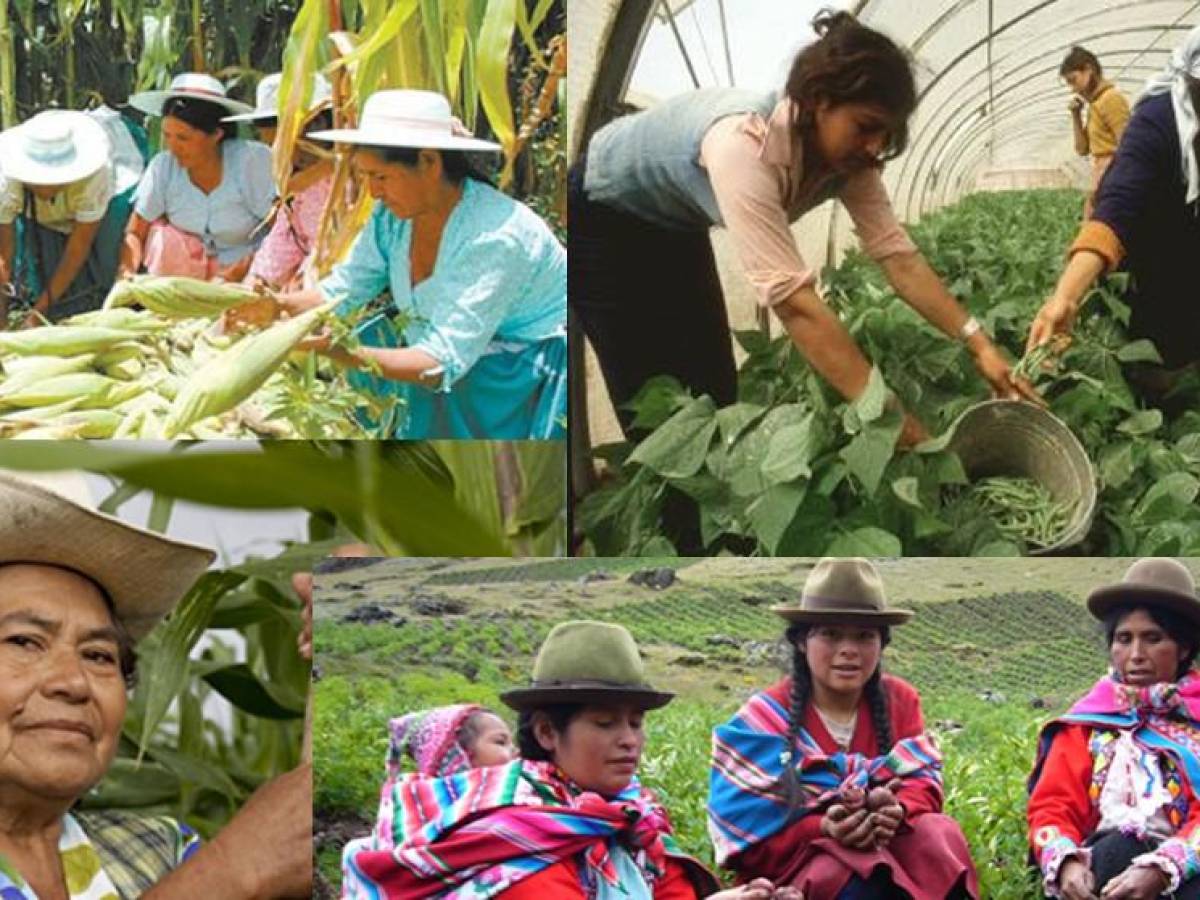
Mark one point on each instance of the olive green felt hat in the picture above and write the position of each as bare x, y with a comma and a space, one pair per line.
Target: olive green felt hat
587, 662
843, 591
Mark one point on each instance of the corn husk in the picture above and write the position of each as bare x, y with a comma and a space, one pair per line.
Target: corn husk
178, 298
24, 370
60, 340
91, 389
89, 423
228, 379
122, 319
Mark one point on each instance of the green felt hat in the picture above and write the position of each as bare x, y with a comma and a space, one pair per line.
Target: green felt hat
589, 663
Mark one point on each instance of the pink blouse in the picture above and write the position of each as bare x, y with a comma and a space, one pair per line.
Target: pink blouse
757, 173
292, 237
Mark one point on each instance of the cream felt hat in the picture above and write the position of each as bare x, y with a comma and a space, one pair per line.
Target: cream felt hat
416, 119
51, 518
266, 98
194, 85
54, 147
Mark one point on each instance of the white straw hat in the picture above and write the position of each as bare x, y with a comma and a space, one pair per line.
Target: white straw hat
193, 85
54, 147
51, 518
408, 119
266, 98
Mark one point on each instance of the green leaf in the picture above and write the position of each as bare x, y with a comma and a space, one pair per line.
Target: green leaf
869, 405
790, 451
733, 420
868, 454
678, 448
1144, 422
1116, 464
167, 670
1168, 498
285, 475
908, 490
772, 513
656, 401
240, 686
1139, 351
869, 541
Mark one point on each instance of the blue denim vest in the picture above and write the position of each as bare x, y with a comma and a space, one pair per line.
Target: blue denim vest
648, 164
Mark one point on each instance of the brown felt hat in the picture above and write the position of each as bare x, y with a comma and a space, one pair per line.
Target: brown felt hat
1152, 581
587, 662
843, 591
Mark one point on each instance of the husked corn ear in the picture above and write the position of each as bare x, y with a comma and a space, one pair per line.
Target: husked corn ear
60, 340
54, 432
128, 370
91, 389
178, 298
90, 423
139, 321
226, 380
23, 370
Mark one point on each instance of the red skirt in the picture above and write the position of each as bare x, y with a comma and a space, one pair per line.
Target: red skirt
928, 860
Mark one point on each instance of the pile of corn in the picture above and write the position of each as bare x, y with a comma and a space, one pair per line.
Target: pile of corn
158, 372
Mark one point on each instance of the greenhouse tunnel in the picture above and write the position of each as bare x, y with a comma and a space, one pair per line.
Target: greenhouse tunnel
992, 112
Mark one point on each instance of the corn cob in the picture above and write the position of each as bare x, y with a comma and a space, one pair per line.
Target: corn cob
93, 391
228, 379
60, 340
139, 321
49, 433
178, 298
125, 370
25, 370
90, 423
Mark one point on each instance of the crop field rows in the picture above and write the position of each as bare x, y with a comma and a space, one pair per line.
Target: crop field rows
991, 668
549, 570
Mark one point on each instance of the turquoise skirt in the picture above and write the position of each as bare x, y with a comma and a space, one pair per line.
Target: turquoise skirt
512, 392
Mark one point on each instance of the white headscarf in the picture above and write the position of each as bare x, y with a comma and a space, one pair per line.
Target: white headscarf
1184, 61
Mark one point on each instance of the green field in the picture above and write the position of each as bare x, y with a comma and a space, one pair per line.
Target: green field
997, 646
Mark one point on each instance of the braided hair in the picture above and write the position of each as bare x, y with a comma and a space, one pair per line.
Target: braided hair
801, 695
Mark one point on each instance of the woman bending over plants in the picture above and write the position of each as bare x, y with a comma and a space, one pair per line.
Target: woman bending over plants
650, 186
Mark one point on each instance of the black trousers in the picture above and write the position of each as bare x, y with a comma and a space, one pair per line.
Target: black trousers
1112, 854
649, 299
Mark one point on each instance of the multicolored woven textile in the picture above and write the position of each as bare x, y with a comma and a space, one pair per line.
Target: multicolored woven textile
477, 833
1163, 723
750, 753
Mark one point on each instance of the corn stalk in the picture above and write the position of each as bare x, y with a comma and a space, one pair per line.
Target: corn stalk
8, 97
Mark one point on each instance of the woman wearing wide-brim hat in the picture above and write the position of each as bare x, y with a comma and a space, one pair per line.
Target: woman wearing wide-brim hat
1114, 805
78, 589
472, 343
200, 204
285, 260
60, 224
569, 820
826, 780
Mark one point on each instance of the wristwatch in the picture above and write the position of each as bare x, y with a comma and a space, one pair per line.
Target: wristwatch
970, 328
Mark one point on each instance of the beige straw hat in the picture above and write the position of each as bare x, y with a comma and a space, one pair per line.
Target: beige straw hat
51, 518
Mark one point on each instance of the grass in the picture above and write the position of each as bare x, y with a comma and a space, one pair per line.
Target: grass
991, 667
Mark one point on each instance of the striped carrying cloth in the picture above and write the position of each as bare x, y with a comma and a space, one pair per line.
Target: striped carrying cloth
477, 833
746, 804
